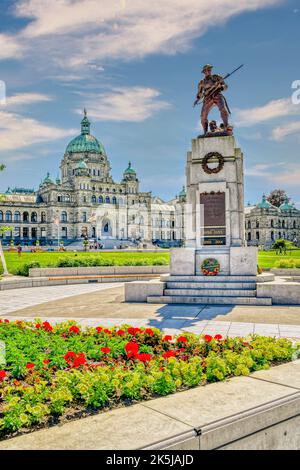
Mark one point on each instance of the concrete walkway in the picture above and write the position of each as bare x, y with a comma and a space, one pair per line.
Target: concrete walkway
103, 304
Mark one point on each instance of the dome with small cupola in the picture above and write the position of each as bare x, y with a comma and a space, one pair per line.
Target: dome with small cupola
85, 142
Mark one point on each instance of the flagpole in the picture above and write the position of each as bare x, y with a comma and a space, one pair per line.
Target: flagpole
58, 235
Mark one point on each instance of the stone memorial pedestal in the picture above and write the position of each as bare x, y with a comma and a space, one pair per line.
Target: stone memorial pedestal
215, 266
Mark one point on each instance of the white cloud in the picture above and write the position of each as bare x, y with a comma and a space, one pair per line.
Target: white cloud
10, 47
280, 132
18, 132
79, 32
271, 110
133, 104
24, 99
262, 169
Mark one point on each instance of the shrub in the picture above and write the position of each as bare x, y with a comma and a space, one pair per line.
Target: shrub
23, 270
285, 264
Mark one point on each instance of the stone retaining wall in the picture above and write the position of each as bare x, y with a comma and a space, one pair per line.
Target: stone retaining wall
98, 270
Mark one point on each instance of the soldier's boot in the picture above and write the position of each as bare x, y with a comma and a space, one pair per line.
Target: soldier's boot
224, 116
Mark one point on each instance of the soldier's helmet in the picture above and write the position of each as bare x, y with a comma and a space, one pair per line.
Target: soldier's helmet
207, 67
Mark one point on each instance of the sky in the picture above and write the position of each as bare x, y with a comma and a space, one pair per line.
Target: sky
134, 65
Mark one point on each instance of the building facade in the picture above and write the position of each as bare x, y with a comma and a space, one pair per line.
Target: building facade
85, 202
265, 223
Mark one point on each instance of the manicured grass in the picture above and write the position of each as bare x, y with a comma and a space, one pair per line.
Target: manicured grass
268, 259
55, 372
50, 259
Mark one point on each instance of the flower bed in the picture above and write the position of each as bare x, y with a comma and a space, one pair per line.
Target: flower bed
64, 371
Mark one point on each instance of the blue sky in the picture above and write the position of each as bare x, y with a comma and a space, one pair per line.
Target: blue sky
135, 66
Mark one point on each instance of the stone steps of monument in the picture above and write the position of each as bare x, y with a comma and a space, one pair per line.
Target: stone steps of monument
210, 285
211, 292
177, 299
219, 278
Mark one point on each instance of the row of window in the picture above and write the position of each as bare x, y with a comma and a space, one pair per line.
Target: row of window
280, 224
272, 236
24, 217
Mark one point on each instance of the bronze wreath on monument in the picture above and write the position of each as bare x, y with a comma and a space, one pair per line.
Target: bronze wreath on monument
206, 160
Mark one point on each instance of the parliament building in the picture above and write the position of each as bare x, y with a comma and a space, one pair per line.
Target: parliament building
85, 202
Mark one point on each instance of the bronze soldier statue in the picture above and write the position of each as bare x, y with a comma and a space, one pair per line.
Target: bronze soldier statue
210, 90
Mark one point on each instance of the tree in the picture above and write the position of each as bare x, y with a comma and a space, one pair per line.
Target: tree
277, 197
2, 231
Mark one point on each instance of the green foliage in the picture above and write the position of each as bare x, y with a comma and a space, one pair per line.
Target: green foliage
17, 264
42, 381
23, 270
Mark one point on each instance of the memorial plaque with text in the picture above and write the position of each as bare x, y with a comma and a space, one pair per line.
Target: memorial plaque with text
214, 218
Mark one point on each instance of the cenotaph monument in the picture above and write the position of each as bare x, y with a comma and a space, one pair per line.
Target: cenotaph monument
215, 265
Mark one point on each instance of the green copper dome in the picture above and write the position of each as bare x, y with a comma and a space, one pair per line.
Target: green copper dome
287, 205
47, 180
85, 142
264, 204
129, 170
182, 192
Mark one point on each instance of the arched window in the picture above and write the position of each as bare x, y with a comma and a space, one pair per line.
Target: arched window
249, 224
17, 216
94, 172
8, 216
94, 200
249, 236
272, 235
283, 224
257, 224
64, 217
100, 199
279, 234
257, 235
272, 223
114, 200
43, 217
33, 217
25, 217
107, 200
294, 224
1, 216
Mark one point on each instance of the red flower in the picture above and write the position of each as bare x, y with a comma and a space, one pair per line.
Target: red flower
149, 331
46, 361
218, 337
169, 354
70, 355
133, 331
2, 375
75, 360
207, 338
181, 349
121, 332
131, 349
105, 350
167, 338
99, 329
6, 321
0, 320
181, 339
108, 332
74, 329
143, 357
47, 326
30, 365
38, 326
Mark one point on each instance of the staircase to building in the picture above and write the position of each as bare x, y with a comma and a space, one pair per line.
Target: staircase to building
218, 290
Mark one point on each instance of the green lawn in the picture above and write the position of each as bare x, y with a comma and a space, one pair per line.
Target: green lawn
267, 259
50, 258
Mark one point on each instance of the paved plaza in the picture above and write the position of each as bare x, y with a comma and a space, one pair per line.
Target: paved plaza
94, 304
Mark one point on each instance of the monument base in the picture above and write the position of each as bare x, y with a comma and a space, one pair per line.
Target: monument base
233, 261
